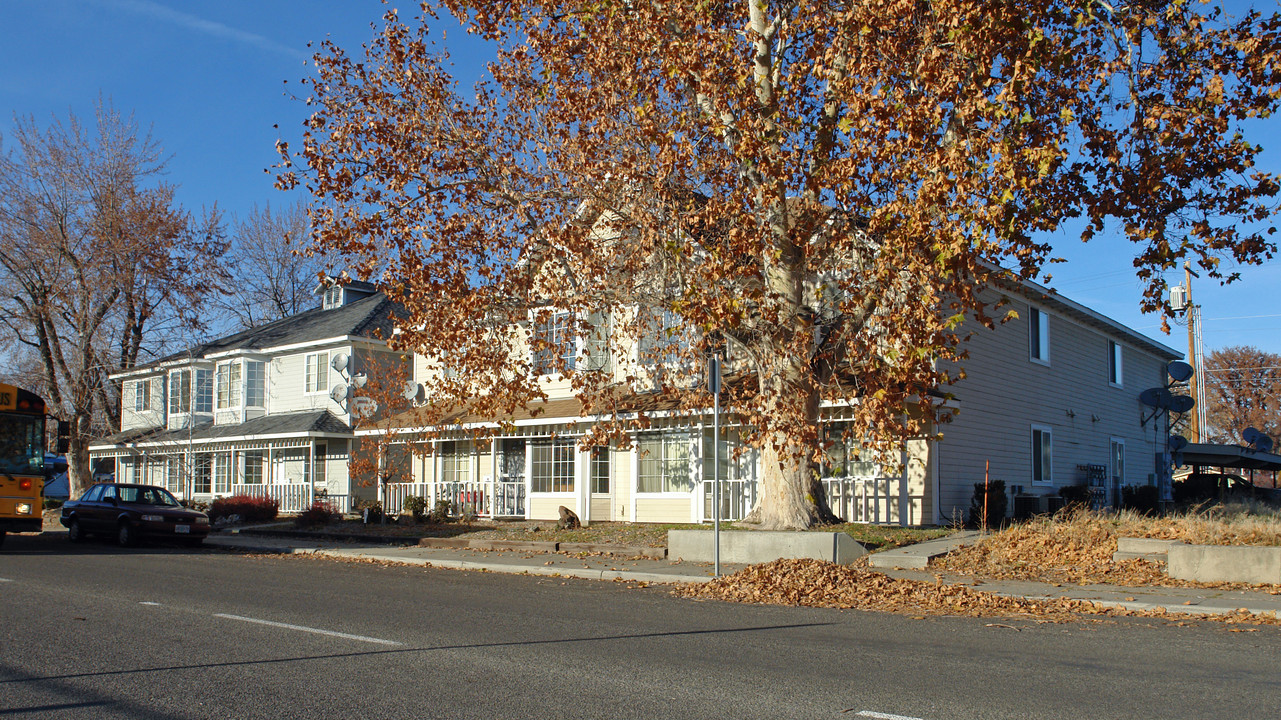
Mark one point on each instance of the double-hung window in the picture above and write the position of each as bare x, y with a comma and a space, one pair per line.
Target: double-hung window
204, 390
255, 384
142, 395
228, 385
554, 345
664, 463
665, 341
251, 465
455, 462
1039, 336
551, 465
1042, 452
1114, 363
180, 391
317, 372
600, 469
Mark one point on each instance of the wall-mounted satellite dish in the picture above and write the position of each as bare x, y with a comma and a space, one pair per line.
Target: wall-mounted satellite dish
339, 393
360, 380
365, 406
1181, 403
1177, 443
1178, 370
339, 362
1257, 440
413, 391
1156, 397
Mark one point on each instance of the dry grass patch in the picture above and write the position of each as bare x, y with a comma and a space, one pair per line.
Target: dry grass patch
1077, 547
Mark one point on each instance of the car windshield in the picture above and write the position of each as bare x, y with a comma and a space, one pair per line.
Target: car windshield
147, 496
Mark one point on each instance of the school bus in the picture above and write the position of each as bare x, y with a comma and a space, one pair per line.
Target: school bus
22, 421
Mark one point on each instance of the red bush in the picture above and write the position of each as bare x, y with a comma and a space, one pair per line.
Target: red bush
250, 508
320, 513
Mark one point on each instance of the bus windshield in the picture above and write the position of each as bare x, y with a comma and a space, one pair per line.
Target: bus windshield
21, 444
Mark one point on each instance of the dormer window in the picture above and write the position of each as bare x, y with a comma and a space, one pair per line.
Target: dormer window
333, 297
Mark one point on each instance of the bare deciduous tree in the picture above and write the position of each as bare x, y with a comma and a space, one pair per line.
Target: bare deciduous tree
272, 275
93, 252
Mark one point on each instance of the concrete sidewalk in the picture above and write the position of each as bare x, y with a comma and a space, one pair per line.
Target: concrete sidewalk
1207, 601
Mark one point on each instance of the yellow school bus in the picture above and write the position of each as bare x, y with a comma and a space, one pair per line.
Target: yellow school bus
22, 419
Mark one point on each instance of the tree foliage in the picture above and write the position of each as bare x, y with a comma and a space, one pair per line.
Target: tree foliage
94, 256
825, 189
1242, 390
272, 275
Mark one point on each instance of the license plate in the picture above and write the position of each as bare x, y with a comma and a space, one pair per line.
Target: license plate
182, 529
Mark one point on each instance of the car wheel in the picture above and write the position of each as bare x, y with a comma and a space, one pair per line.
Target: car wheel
75, 533
125, 534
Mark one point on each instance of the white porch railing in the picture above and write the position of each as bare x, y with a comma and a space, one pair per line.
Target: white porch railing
293, 497
738, 497
487, 499
879, 500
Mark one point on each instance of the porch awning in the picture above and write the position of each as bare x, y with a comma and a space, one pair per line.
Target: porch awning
1229, 456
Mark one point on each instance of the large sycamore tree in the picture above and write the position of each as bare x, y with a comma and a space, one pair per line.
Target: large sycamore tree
821, 189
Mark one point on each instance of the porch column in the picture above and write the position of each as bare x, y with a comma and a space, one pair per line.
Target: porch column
582, 484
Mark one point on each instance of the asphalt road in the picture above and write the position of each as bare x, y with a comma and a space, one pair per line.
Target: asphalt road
94, 631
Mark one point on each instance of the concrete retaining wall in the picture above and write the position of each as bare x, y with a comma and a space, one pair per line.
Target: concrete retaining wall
738, 546
1225, 563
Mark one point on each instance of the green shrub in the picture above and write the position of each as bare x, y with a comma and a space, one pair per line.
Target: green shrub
1074, 497
1141, 498
442, 512
415, 505
51, 504
320, 513
996, 504
374, 508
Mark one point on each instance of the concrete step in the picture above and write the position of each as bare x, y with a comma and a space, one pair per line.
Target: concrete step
918, 556
1144, 546
1118, 556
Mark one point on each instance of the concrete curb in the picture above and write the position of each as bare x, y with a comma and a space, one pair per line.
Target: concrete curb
1148, 606
584, 573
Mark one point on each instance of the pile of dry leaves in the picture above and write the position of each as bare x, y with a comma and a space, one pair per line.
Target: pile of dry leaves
814, 583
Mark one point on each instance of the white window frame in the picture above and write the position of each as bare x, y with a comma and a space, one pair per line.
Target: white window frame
142, 395
557, 448
1042, 454
1038, 336
229, 392
180, 384
254, 460
1116, 374
600, 460
262, 376
316, 373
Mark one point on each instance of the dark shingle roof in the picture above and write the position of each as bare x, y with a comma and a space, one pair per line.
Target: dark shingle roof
316, 421
367, 317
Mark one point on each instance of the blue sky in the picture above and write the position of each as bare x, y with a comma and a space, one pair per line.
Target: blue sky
210, 80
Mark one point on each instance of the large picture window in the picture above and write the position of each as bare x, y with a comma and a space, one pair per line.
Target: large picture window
552, 466
663, 466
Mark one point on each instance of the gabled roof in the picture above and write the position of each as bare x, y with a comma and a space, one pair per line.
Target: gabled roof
365, 317
316, 422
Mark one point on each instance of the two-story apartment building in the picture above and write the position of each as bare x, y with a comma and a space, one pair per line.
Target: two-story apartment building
266, 411
1050, 398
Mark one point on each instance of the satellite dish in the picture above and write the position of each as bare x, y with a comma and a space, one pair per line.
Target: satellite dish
339, 392
1156, 397
365, 406
1177, 443
1178, 370
1256, 439
360, 380
339, 362
413, 391
1181, 403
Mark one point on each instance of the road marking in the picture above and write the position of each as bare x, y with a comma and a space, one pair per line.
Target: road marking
884, 716
304, 628
5, 580
148, 602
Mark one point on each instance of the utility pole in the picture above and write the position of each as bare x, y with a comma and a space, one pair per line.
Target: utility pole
1196, 383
